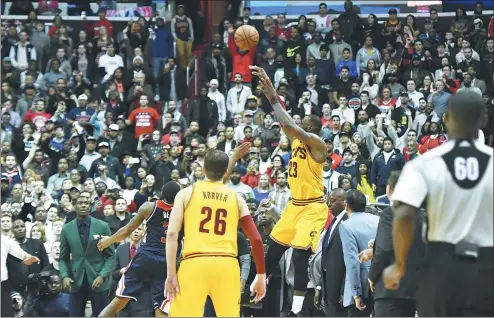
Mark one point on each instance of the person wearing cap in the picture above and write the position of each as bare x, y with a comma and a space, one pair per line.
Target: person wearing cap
237, 95
107, 165
414, 96
246, 16
183, 33
330, 177
115, 140
90, 155
348, 165
392, 26
82, 114
215, 67
252, 104
424, 36
265, 131
247, 120
239, 186
215, 95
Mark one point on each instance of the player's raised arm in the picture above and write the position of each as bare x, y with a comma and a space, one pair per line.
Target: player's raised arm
291, 129
257, 287
144, 212
174, 226
238, 153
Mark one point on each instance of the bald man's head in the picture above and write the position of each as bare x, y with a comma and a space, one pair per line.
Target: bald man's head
465, 115
336, 201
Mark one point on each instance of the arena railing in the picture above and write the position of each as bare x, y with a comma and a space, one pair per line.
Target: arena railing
193, 75
381, 15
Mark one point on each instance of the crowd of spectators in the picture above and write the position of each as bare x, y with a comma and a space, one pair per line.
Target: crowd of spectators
108, 115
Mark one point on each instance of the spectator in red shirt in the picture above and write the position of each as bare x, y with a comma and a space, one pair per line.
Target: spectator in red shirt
248, 135
240, 59
282, 30
251, 178
57, 23
37, 116
491, 28
144, 117
103, 21
434, 138
173, 138
335, 158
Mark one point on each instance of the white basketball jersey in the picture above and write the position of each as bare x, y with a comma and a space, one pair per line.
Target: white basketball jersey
454, 182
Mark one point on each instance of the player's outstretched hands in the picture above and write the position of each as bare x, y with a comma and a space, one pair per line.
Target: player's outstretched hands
266, 84
241, 150
103, 243
258, 287
171, 287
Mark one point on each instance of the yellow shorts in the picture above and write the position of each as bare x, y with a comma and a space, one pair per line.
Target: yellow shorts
214, 276
300, 225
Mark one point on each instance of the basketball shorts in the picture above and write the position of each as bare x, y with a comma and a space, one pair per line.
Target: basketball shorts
301, 224
215, 276
146, 271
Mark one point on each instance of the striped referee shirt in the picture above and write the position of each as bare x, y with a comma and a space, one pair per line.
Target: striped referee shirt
455, 181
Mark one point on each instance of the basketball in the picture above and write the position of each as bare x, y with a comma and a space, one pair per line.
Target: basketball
246, 37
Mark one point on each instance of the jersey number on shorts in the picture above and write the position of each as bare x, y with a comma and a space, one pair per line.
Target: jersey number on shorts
292, 169
219, 227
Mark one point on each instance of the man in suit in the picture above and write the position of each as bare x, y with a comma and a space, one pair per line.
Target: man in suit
332, 280
400, 302
229, 143
356, 232
84, 269
17, 270
126, 252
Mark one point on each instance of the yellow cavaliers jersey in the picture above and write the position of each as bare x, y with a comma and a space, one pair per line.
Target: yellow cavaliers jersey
211, 221
304, 175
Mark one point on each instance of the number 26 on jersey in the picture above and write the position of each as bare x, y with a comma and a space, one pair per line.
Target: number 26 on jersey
219, 223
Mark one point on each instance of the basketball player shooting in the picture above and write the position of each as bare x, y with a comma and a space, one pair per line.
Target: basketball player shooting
210, 213
305, 215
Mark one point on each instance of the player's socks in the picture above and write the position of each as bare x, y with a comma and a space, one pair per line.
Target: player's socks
297, 303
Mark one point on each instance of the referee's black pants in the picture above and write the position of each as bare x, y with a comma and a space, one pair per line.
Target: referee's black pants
454, 286
7, 310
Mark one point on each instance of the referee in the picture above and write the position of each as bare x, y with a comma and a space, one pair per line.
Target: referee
455, 184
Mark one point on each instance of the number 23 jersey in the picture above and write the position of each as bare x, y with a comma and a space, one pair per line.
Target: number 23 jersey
211, 221
304, 174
